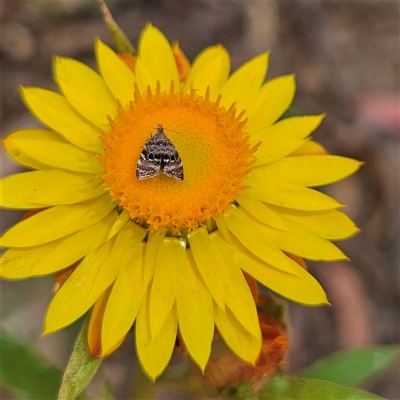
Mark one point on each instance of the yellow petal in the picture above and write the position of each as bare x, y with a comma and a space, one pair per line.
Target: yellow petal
163, 291
154, 352
239, 340
115, 347
54, 256
245, 82
299, 241
19, 263
156, 54
123, 218
278, 94
153, 251
298, 260
210, 68
55, 112
238, 295
119, 78
300, 287
75, 246
331, 224
270, 152
123, 304
195, 313
19, 157
310, 170
48, 187
96, 322
144, 78
289, 195
255, 240
52, 150
72, 301
225, 232
261, 212
127, 247
56, 222
308, 148
293, 128
204, 257
85, 91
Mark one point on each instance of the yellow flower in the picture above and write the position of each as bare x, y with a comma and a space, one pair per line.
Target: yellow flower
160, 252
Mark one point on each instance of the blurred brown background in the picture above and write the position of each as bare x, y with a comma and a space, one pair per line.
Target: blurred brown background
346, 59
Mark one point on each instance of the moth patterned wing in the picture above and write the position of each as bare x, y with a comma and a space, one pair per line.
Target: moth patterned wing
172, 165
147, 165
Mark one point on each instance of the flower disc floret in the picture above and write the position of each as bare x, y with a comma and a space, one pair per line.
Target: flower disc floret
211, 142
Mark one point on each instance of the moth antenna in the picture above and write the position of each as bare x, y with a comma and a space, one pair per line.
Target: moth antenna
167, 129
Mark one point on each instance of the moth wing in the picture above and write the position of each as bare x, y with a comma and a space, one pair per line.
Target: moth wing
146, 169
174, 169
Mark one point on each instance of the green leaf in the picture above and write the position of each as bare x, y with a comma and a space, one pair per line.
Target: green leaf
80, 369
285, 387
26, 373
353, 366
241, 392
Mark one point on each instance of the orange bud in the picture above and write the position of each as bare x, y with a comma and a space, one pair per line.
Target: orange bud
297, 259
182, 62
61, 277
252, 285
225, 369
129, 60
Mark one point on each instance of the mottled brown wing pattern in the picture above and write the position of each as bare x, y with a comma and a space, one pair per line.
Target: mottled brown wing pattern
159, 155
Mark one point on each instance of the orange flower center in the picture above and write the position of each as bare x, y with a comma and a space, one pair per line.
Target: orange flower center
211, 143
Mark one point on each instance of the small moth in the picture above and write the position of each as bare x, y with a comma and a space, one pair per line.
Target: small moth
159, 155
